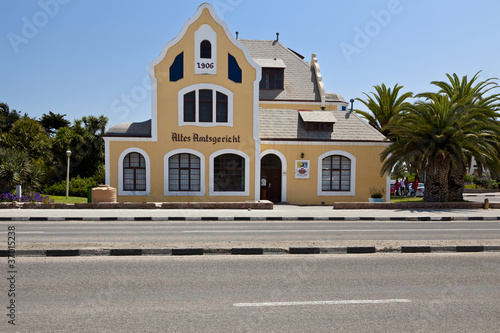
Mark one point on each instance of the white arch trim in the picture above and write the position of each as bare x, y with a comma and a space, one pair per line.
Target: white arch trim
211, 174
352, 192
127, 151
283, 170
201, 192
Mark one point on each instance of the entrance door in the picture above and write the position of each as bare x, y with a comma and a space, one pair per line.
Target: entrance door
270, 173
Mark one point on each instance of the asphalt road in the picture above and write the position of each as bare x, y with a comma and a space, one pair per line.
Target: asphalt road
314, 293
255, 231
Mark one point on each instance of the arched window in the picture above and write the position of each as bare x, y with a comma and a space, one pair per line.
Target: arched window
184, 173
134, 172
206, 50
205, 107
229, 173
336, 173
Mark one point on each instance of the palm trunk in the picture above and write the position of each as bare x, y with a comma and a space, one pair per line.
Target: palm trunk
436, 182
456, 183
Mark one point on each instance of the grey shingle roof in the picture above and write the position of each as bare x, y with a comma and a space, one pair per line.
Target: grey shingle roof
142, 129
277, 124
300, 80
300, 83
317, 116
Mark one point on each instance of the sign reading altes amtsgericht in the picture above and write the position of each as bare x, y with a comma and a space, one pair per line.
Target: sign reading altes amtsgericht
179, 137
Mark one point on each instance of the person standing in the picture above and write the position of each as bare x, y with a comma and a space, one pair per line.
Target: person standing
414, 186
402, 187
397, 186
407, 187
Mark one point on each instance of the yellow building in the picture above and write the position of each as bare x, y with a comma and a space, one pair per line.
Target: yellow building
241, 120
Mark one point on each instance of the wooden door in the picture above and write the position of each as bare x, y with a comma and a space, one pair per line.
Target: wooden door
270, 173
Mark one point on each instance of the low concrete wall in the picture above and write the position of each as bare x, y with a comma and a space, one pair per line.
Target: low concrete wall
412, 205
262, 204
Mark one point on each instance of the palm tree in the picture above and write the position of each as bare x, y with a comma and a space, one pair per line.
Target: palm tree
433, 135
383, 106
17, 168
471, 95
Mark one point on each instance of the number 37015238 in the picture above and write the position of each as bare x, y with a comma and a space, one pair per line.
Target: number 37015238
206, 65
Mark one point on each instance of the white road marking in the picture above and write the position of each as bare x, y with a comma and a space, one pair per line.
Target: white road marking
25, 232
344, 302
332, 230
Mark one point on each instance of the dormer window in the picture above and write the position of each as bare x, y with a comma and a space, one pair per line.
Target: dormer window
273, 73
319, 127
272, 79
206, 50
318, 121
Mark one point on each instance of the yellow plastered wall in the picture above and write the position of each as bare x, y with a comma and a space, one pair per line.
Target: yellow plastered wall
305, 191
167, 116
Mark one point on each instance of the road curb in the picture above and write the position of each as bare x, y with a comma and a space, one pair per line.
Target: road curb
244, 218
248, 251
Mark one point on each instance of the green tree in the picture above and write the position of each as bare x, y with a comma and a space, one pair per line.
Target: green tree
17, 168
85, 140
472, 95
7, 117
51, 122
27, 135
383, 106
434, 134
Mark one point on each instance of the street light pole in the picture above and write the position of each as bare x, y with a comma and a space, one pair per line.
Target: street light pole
68, 153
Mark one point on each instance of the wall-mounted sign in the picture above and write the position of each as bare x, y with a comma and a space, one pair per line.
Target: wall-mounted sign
302, 168
195, 137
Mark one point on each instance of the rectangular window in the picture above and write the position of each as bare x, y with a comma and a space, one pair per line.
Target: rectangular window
336, 173
189, 107
184, 173
221, 108
206, 104
272, 78
319, 127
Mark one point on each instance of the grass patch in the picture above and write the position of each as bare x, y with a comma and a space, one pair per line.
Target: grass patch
70, 200
406, 199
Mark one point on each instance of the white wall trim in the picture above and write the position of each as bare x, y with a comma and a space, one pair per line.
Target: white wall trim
326, 143
167, 192
352, 192
288, 102
121, 191
107, 164
196, 88
388, 188
319, 78
284, 170
205, 32
247, 174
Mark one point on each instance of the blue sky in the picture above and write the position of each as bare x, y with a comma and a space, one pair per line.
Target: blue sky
90, 57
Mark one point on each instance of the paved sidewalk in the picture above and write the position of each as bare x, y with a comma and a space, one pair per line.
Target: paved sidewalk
280, 212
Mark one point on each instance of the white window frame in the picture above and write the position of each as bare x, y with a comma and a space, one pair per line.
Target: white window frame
196, 88
167, 192
214, 193
352, 191
121, 190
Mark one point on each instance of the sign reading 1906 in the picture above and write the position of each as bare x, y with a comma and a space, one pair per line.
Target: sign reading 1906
205, 65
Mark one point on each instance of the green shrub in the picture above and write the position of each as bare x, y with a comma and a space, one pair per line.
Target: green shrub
77, 187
